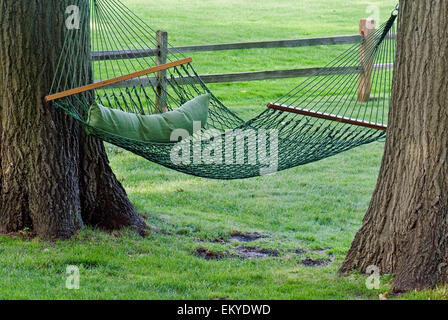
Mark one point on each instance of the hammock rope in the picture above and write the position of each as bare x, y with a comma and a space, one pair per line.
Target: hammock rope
284, 138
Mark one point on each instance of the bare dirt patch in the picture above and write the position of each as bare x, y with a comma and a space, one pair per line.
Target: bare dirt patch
325, 259
246, 252
298, 251
308, 262
208, 254
237, 236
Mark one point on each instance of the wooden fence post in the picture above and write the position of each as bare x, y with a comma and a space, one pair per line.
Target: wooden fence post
161, 58
366, 27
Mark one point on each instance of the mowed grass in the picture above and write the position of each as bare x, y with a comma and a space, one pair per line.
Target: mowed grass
310, 213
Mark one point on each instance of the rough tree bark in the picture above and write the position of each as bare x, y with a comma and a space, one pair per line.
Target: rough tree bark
53, 177
405, 230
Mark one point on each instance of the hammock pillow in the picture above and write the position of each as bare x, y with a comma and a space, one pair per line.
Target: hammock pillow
154, 128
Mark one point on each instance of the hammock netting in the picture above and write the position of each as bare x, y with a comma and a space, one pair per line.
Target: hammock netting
285, 138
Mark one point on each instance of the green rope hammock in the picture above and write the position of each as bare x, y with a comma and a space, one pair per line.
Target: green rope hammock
107, 25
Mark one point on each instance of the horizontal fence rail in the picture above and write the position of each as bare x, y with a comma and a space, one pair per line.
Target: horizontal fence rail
294, 43
252, 76
308, 42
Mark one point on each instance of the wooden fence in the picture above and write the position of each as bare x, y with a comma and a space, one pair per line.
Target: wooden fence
161, 53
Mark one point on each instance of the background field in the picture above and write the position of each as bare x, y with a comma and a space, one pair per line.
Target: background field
307, 216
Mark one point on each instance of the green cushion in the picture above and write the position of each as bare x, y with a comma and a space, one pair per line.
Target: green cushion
154, 128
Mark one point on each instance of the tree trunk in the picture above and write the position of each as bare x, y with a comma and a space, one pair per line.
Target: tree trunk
405, 230
54, 178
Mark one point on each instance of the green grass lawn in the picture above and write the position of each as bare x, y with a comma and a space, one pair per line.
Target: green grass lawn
307, 215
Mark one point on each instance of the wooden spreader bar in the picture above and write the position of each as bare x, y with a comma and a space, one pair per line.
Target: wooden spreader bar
327, 116
105, 83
